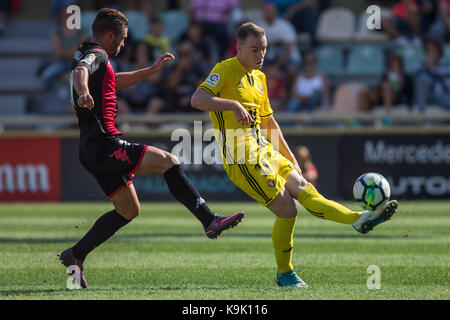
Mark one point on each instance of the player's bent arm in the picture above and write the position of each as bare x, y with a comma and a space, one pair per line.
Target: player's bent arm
80, 78
128, 79
203, 100
275, 136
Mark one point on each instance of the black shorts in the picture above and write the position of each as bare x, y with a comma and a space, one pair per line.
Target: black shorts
112, 162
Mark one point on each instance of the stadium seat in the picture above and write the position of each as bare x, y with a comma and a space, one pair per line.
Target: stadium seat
25, 46
138, 24
366, 60
346, 97
365, 34
175, 23
28, 28
12, 105
413, 57
447, 53
336, 24
253, 15
330, 60
19, 75
87, 18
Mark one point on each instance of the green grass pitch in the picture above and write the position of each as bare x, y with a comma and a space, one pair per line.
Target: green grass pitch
164, 254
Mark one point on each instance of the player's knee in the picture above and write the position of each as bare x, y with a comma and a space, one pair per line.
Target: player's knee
170, 160
131, 212
291, 212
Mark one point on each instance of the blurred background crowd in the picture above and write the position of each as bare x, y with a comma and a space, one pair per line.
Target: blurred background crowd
321, 56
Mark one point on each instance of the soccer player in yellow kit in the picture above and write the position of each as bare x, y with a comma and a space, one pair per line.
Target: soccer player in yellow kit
235, 94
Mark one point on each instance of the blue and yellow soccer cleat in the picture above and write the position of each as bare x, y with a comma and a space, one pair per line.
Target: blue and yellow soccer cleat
369, 219
290, 279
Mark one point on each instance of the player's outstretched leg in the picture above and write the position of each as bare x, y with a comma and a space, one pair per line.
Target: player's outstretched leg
316, 204
370, 219
159, 161
319, 206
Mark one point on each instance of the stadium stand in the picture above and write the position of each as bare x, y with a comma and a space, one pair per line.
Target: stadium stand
175, 23
138, 24
352, 56
336, 24
365, 60
330, 60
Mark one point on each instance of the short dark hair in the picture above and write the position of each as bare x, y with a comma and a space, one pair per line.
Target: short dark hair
247, 29
109, 20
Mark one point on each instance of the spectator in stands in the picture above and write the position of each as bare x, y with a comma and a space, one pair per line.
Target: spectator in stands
309, 170
281, 37
311, 89
4, 7
276, 86
194, 34
395, 88
146, 96
65, 42
432, 81
182, 79
441, 27
156, 40
214, 17
410, 19
301, 13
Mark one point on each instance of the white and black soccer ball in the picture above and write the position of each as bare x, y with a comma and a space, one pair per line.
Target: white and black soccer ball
371, 190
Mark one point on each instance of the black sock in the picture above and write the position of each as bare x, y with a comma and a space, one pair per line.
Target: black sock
185, 192
101, 231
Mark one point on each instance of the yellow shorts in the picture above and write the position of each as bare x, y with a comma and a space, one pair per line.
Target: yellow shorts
263, 178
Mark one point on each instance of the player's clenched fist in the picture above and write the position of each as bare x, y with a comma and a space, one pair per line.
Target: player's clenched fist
86, 101
241, 114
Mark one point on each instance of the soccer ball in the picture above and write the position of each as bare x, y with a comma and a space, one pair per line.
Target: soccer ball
371, 190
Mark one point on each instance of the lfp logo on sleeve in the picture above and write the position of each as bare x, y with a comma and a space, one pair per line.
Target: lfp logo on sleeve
89, 59
213, 79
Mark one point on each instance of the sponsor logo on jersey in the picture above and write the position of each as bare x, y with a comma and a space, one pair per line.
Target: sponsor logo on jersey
213, 79
89, 59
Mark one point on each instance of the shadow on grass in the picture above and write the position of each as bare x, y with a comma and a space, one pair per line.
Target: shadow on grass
199, 235
31, 291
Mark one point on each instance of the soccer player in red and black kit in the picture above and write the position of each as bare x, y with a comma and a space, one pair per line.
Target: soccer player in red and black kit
112, 160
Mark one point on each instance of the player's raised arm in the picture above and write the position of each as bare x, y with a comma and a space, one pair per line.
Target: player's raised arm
80, 83
127, 79
203, 100
275, 136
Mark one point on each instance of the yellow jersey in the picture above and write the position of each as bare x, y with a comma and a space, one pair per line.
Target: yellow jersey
230, 80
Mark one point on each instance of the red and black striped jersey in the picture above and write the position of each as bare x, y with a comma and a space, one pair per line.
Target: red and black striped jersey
101, 120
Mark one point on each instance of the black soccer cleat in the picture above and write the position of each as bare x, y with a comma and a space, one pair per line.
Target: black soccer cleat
221, 223
68, 259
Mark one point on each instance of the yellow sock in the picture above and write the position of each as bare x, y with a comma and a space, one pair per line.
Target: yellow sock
323, 208
283, 241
